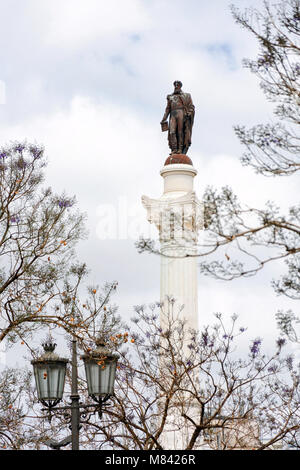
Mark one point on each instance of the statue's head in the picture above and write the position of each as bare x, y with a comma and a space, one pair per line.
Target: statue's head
177, 86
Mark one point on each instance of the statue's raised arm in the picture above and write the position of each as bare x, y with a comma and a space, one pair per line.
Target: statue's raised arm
181, 111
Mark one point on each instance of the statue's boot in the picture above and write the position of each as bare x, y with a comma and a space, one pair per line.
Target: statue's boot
173, 143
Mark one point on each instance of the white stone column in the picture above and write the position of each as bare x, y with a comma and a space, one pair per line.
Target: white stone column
178, 215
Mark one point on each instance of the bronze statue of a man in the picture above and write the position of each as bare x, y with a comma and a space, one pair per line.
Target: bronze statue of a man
181, 109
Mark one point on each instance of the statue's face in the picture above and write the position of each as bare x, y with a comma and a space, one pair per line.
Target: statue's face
177, 87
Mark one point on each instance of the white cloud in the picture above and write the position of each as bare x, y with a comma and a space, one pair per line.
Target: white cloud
106, 154
89, 80
73, 23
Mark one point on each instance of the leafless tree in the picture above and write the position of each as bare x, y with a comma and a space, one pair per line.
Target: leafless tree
38, 232
175, 382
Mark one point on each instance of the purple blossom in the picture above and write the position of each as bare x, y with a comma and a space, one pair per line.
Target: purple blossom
263, 62
15, 219
242, 329
36, 151
297, 69
3, 155
254, 349
19, 148
63, 203
266, 140
287, 391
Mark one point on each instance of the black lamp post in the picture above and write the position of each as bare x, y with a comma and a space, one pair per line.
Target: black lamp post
50, 371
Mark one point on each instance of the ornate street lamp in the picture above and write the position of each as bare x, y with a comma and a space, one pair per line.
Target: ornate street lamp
100, 369
50, 372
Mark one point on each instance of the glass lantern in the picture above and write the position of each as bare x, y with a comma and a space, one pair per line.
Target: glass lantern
50, 372
100, 369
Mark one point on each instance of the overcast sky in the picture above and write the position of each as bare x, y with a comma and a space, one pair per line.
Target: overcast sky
89, 79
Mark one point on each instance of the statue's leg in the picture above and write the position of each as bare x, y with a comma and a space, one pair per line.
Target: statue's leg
172, 134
